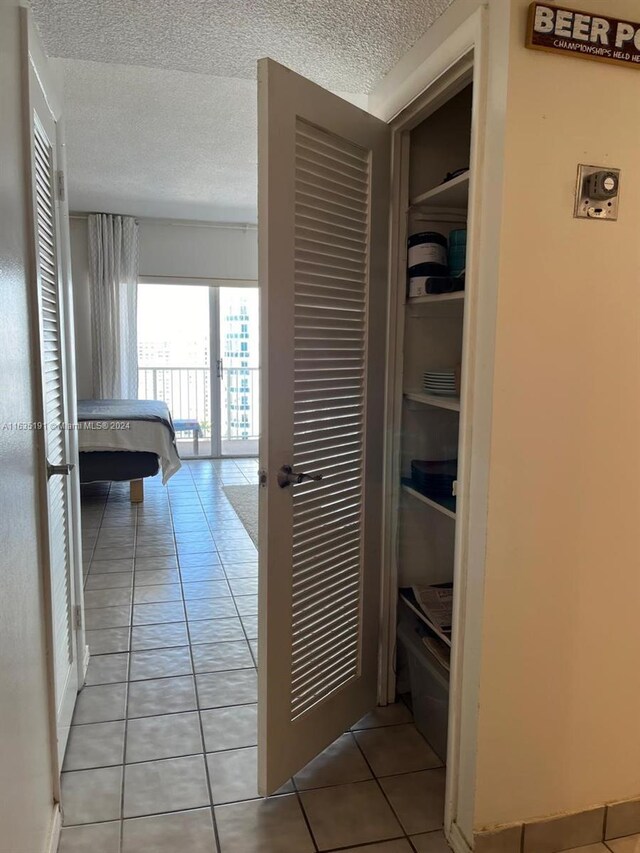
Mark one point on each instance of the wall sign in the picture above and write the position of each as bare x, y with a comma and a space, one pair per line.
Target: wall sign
560, 30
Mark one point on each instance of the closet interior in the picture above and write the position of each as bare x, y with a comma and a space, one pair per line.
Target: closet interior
430, 357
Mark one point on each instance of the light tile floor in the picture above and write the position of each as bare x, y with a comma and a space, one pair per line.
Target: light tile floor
162, 751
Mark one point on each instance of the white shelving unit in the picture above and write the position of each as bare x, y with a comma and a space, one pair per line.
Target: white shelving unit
430, 335
423, 618
432, 502
450, 403
436, 298
452, 195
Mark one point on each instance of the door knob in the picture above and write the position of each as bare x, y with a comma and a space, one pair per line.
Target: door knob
65, 469
288, 477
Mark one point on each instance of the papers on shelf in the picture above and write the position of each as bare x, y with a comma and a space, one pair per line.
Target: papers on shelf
440, 650
436, 602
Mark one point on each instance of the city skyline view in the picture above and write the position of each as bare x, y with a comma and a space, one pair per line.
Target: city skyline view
176, 354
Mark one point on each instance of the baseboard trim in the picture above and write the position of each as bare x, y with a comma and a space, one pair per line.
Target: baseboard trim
563, 831
54, 832
457, 841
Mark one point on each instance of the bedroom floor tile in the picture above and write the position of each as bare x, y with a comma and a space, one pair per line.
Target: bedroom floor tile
206, 589
158, 613
160, 636
170, 695
160, 663
100, 704
275, 825
107, 617
166, 736
95, 745
173, 784
196, 574
99, 565
230, 728
152, 593
155, 563
219, 689
109, 580
96, 837
210, 608
91, 796
218, 657
190, 831
107, 669
189, 684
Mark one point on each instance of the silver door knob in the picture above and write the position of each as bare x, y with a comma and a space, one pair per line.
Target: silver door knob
288, 477
64, 469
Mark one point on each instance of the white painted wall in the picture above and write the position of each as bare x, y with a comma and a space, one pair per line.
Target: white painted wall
180, 249
198, 250
26, 791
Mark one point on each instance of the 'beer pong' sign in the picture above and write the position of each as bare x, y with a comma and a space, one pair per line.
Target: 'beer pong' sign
583, 34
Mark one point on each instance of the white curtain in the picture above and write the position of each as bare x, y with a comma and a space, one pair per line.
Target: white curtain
113, 265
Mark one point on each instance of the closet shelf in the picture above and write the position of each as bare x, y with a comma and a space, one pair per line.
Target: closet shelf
451, 403
453, 194
424, 618
436, 298
447, 506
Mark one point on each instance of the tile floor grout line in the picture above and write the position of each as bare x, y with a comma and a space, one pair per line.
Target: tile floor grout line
224, 561
126, 705
216, 833
304, 812
377, 781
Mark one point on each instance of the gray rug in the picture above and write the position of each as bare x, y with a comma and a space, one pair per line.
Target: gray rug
244, 500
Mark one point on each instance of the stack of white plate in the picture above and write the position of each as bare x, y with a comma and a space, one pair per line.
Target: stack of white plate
440, 382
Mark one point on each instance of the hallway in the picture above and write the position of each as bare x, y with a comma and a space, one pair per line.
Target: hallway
162, 753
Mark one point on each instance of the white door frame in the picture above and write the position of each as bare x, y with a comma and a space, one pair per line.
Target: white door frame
215, 377
402, 105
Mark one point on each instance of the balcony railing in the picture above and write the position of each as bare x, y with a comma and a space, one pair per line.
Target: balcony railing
187, 392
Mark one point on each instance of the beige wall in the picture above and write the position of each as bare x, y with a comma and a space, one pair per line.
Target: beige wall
168, 249
559, 723
26, 797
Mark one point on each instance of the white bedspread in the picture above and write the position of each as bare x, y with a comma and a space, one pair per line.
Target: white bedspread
152, 437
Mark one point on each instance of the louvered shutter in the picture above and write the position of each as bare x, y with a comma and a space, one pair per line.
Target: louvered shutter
323, 167
331, 235
46, 228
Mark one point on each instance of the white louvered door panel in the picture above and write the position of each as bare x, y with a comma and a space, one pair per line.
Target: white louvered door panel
323, 207
52, 354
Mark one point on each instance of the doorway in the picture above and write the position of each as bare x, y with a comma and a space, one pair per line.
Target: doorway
198, 351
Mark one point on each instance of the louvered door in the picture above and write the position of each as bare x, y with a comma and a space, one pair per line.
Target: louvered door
54, 408
323, 234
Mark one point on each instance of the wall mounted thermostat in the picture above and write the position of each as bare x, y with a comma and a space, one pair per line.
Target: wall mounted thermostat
597, 192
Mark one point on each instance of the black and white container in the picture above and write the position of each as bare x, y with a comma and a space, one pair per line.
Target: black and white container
427, 254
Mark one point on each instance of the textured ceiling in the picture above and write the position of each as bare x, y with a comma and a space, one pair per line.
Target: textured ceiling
160, 95
342, 44
158, 143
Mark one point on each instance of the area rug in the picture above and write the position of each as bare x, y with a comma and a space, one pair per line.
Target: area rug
244, 499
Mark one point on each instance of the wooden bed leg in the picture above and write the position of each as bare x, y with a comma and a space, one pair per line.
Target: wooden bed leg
136, 491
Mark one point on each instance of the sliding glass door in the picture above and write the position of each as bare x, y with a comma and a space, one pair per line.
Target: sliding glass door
198, 351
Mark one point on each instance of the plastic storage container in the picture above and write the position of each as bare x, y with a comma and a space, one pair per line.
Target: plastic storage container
429, 687
427, 254
457, 251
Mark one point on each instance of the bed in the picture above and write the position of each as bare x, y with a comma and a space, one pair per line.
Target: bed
126, 440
